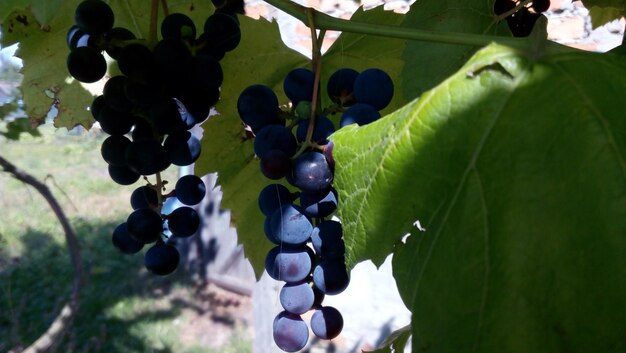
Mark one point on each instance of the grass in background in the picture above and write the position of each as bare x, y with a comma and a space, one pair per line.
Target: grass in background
123, 308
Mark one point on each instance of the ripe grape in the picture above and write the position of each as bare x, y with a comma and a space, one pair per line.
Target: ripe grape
290, 226
146, 157
115, 95
330, 276
94, 16
522, 22
341, 85
113, 149
113, 122
275, 137
327, 323
373, 87
144, 197
86, 64
222, 32
178, 26
319, 205
288, 263
324, 127
182, 148
190, 190
297, 297
124, 242
258, 107
290, 332
115, 38
503, 6
183, 221
162, 259
311, 172
272, 197
122, 174
145, 225
298, 85
327, 240
275, 165
360, 114
136, 59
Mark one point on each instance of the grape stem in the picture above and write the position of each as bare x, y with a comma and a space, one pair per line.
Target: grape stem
166, 9
154, 18
159, 190
316, 61
326, 22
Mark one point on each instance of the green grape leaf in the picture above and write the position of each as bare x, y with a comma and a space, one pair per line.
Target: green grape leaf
41, 29
520, 199
396, 342
226, 149
602, 15
431, 62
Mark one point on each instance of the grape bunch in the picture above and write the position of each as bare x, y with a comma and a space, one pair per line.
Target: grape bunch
165, 89
522, 21
309, 255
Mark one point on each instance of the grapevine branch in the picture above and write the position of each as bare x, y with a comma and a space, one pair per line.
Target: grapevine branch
60, 324
316, 44
326, 22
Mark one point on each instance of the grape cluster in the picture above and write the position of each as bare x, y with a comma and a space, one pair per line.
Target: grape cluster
309, 255
522, 21
165, 89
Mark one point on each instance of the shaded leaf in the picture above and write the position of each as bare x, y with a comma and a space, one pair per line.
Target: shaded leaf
523, 201
396, 342
431, 63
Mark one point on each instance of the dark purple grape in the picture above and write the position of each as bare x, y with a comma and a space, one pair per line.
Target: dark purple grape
298, 85
258, 107
297, 297
96, 106
146, 157
340, 86
124, 242
114, 93
360, 114
327, 240
113, 122
290, 226
289, 264
144, 197
290, 332
166, 118
115, 39
190, 190
272, 197
94, 16
275, 137
162, 259
86, 64
182, 148
331, 276
275, 165
136, 60
145, 225
178, 26
183, 221
373, 87
327, 323
311, 172
267, 229
324, 127
319, 205
113, 149
123, 175
222, 31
